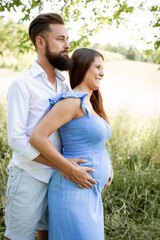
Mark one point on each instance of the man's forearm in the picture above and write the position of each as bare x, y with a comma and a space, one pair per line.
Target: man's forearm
45, 161
79, 175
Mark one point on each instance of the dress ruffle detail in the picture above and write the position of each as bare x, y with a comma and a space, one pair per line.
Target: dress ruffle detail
69, 94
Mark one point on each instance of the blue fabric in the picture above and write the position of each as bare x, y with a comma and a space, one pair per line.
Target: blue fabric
74, 213
72, 94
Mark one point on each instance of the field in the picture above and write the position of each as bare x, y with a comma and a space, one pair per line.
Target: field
131, 93
127, 85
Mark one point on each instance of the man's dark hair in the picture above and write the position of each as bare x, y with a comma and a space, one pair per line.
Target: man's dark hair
40, 25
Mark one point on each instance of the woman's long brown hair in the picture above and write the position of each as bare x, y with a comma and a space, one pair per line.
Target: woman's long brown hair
81, 61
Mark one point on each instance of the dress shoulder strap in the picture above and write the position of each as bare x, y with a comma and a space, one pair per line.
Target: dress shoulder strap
69, 94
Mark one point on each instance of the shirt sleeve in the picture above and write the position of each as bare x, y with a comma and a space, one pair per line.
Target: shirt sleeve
17, 115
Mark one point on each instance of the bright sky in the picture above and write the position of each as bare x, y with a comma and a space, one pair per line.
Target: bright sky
137, 28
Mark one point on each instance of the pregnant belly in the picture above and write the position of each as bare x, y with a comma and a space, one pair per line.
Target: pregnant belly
100, 162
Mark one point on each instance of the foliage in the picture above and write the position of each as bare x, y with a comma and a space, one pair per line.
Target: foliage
11, 55
76, 11
156, 10
10, 34
130, 53
131, 204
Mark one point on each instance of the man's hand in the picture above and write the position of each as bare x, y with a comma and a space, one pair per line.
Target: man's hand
80, 174
110, 179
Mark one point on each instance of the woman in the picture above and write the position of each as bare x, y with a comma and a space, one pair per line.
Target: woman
76, 213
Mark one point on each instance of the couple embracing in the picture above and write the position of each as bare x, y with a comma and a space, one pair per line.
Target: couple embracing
60, 164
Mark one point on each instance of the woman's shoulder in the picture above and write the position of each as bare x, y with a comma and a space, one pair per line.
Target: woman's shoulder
72, 98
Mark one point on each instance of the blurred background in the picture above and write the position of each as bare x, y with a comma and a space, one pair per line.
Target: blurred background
127, 33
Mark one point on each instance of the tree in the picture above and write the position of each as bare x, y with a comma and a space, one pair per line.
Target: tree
9, 35
90, 14
11, 56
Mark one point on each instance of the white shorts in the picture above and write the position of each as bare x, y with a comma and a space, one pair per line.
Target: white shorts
26, 207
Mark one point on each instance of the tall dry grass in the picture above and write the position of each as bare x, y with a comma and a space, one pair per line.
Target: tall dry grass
132, 204
5, 156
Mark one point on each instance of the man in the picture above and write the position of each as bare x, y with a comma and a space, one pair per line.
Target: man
28, 102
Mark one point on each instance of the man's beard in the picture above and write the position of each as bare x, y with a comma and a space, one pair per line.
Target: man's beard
58, 60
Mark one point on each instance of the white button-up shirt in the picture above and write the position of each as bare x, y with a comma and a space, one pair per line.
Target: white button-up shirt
28, 102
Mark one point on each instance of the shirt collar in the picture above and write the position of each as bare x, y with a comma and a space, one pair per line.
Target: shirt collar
59, 75
36, 70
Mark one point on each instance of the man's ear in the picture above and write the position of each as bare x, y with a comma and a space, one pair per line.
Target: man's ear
40, 42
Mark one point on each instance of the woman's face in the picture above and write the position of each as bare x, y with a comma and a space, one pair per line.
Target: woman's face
94, 74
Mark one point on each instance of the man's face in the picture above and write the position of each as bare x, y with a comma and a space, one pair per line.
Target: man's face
56, 49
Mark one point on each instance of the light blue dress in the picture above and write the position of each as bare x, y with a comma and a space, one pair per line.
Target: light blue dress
75, 213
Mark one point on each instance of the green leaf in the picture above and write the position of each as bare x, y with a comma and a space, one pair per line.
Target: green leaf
148, 52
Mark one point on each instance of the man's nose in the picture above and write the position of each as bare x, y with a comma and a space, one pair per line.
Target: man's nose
67, 46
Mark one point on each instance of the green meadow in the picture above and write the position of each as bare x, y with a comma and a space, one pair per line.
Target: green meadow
131, 93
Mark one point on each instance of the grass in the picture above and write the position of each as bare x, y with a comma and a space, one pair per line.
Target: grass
5, 155
132, 203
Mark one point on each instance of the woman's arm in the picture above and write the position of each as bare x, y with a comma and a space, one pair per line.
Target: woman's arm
63, 111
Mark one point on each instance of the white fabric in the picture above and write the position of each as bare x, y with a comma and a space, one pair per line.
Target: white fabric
26, 207
28, 102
